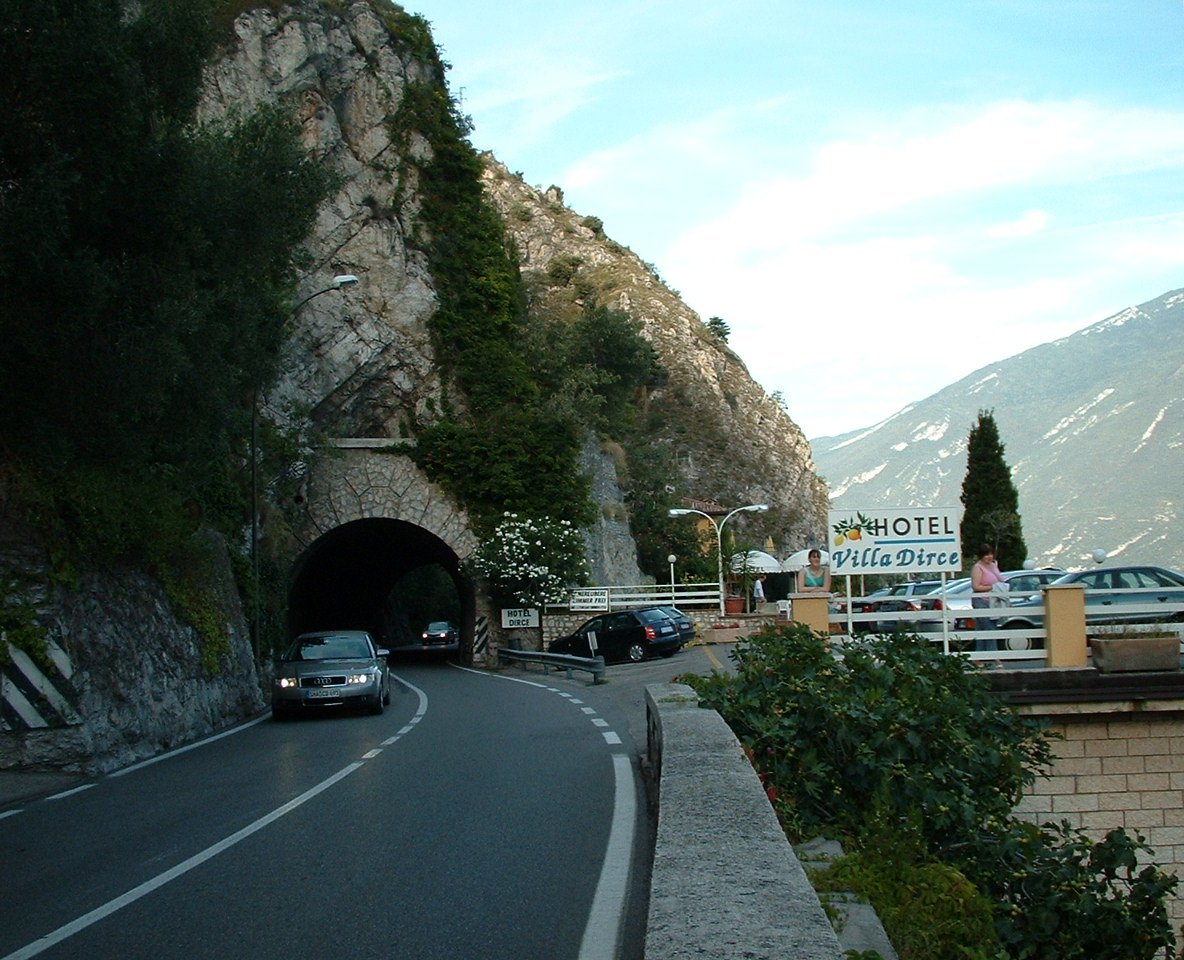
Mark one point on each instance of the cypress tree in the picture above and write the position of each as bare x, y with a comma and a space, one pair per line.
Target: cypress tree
991, 504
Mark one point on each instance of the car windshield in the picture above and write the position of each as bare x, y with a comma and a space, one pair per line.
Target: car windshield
330, 648
439, 626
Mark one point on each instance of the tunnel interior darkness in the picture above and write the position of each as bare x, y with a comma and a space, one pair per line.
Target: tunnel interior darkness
344, 579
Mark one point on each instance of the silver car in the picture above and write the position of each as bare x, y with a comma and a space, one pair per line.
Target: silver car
331, 669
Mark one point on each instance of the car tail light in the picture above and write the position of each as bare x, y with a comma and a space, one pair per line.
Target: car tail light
651, 633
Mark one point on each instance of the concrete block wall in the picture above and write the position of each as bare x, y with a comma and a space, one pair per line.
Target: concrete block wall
1119, 765
726, 883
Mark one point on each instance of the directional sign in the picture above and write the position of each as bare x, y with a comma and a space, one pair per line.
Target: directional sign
527, 617
588, 599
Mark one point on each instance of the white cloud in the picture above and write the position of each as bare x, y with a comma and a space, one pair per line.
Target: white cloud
854, 290
1032, 221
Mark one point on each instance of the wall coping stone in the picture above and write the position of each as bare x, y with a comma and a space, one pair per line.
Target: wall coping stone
726, 882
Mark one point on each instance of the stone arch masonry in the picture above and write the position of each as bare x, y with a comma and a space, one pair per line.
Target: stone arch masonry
373, 478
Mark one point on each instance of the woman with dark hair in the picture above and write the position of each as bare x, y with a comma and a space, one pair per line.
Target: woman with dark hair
814, 577
984, 575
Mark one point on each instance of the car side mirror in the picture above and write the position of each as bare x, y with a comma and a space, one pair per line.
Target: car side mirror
383, 653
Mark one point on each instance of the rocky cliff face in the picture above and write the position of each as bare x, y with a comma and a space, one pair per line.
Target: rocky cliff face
734, 443
125, 678
358, 358
361, 358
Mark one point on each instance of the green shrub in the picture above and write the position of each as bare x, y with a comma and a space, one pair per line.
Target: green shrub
905, 755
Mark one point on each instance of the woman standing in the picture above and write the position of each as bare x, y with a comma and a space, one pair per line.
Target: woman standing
814, 577
983, 577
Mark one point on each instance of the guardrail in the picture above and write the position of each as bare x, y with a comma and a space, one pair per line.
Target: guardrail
560, 661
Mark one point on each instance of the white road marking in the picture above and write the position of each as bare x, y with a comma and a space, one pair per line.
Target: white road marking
603, 931
70, 793
148, 886
193, 746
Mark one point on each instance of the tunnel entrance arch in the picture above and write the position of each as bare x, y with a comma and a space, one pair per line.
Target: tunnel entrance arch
349, 578
371, 519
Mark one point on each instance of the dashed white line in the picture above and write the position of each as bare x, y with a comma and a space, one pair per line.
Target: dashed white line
99, 913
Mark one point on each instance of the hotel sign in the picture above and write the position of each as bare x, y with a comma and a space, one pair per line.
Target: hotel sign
904, 540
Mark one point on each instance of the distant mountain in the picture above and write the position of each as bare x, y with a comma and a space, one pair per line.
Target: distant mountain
1093, 429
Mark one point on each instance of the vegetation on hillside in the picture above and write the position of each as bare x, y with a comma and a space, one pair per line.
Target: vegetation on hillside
847, 748
147, 267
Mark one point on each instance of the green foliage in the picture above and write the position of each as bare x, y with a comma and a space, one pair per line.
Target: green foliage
904, 754
146, 265
19, 624
835, 734
531, 562
991, 517
1062, 894
509, 446
720, 328
929, 909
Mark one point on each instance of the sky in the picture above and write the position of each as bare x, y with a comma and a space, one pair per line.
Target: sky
877, 198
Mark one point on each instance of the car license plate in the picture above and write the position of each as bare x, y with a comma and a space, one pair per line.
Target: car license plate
319, 694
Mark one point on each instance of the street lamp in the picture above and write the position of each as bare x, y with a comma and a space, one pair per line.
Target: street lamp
719, 535
671, 560
339, 281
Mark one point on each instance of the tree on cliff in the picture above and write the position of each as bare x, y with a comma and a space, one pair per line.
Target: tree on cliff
146, 263
991, 516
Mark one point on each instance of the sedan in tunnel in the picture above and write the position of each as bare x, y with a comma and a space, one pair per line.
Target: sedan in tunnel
331, 668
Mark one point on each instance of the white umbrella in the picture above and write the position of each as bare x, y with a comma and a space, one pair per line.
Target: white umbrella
757, 562
795, 561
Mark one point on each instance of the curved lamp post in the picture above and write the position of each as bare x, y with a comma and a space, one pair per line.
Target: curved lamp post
719, 536
339, 281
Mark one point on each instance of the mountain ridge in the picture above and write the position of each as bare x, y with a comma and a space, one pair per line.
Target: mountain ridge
1092, 426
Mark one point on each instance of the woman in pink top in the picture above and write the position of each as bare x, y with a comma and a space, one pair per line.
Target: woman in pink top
983, 577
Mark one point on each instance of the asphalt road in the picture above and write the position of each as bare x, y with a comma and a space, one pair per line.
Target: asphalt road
483, 815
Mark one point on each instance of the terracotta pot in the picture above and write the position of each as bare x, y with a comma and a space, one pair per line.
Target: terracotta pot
733, 604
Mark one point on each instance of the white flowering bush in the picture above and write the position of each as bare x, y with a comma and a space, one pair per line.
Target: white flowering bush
530, 563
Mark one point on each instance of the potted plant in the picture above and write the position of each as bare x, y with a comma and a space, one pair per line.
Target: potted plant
1153, 649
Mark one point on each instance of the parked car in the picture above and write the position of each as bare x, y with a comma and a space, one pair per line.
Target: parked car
1021, 585
913, 595
685, 625
331, 669
1112, 595
622, 635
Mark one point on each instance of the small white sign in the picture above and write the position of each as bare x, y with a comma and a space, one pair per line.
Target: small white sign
902, 540
587, 599
592, 641
525, 617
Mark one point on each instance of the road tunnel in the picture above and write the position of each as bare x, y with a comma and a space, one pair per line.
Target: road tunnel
386, 576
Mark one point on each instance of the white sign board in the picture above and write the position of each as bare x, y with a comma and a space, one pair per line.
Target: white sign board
586, 599
527, 617
896, 540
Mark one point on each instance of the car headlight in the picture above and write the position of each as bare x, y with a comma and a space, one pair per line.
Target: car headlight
359, 678
286, 683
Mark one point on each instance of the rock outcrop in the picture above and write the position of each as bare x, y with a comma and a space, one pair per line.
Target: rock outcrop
734, 443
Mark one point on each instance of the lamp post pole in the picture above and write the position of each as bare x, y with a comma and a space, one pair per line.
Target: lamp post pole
339, 281
671, 560
719, 536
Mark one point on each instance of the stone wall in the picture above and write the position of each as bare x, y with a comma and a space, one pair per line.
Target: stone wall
1120, 764
131, 670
